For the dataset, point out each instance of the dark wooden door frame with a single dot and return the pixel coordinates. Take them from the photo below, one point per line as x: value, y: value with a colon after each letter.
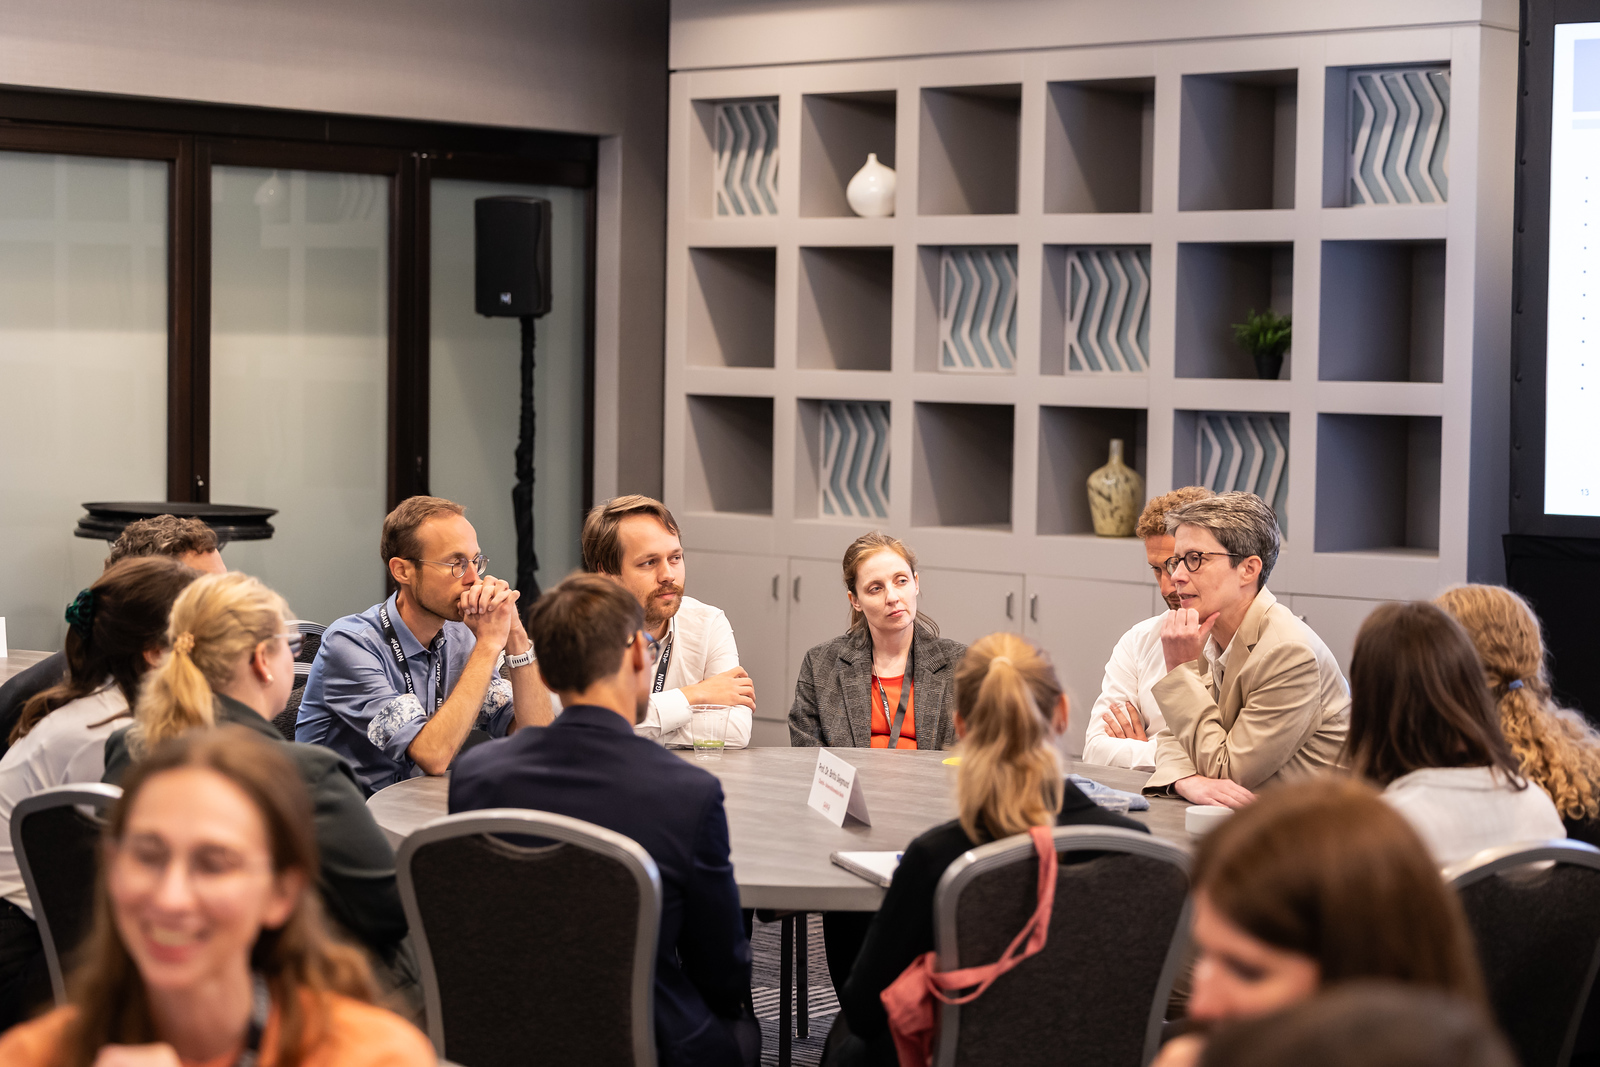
x: 192, y: 138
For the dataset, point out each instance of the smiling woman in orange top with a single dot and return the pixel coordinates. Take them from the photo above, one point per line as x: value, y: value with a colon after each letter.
x: 853, y: 691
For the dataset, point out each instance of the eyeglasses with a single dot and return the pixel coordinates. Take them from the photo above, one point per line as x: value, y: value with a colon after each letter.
x: 478, y: 563
x: 1192, y: 561
x: 652, y: 648
x: 296, y: 641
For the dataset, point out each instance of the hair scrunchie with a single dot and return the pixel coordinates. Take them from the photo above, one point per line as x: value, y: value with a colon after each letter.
x: 1515, y: 683
x: 80, y: 614
x: 183, y: 643
x: 1001, y: 659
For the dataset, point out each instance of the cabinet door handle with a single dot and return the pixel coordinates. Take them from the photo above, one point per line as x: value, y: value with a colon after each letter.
x: 1033, y: 607
x: 797, y: 588
x: 1010, y: 597
x: 774, y: 587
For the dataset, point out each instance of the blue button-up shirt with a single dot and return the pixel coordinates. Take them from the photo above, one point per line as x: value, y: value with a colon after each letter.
x: 356, y: 702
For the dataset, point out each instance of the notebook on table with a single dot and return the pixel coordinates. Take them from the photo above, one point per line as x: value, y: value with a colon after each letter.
x: 876, y: 867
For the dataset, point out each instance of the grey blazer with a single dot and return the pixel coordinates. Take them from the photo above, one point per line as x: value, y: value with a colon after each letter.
x: 833, y: 696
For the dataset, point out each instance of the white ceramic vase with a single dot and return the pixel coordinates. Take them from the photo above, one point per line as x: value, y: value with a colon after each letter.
x: 871, y: 191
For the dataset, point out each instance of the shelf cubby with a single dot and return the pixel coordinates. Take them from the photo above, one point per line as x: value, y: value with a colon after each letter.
x: 966, y: 309
x: 1399, y: 119
x: 1236, y: 146
x: 729, y: 465
x: 842, y: 460
x: 1096, y: 310
x: 1219, y: 285
x: 961, y: 465
x: 846, y: 308
x: 1075, y: 442
x: 1382, y: 311
x: 1227, y: 451
x: 968, y: 158
x: 732, y: 300
x: 1098, y: 146
x: 837, y: 131
x: 1378, y: 483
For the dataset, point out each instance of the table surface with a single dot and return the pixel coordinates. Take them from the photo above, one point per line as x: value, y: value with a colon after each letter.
x: 780, y: 846
x: 18, y: 661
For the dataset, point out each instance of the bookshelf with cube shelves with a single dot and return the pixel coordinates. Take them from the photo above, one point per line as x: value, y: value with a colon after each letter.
x: 1108, y: 285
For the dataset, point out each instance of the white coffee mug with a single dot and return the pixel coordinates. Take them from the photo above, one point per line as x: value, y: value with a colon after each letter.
x: 1203, y: 818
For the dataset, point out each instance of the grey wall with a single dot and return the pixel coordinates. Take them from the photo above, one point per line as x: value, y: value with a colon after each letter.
x: 595, y: 67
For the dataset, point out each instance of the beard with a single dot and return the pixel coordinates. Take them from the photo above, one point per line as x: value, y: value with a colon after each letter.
x: 445, y: 608
x: 1172, y: 600
x: 657, y: 611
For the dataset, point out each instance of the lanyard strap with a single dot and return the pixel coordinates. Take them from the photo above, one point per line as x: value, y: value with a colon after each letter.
x: 405, y: 670
x: 260, y: 1005
x: 666, y: 657
x: 897, y: 723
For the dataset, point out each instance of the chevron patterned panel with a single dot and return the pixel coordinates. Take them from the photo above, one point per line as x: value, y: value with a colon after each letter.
x: 746, y: 180
x: 1400, y: 136
x: 1247, y: 452
x: 978, y: 309
x: 855, y: 458
x: 1108, y: 310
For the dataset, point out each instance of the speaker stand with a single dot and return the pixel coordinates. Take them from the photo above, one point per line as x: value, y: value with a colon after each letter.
x: 522, y: 493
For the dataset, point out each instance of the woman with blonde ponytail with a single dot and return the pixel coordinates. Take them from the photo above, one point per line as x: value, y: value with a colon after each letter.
x: 1009, y: 710
x: 116, y: 629
x: 232, y: 664
x: 1556, y: 748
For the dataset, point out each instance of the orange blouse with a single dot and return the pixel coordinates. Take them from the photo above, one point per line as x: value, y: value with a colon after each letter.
x: 358, y: 1035
x: 889, y: 688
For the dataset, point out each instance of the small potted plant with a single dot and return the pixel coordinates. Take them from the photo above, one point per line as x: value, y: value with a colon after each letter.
x: 1266, y: 337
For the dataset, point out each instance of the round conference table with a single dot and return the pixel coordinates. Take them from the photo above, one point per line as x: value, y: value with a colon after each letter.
x: 780, y: 846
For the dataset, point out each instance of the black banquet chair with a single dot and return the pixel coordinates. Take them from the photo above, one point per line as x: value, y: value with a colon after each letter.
x: 1538, y: 935
x: 1098, y: 991
x: 310, y: 640
x: 55, y: 836
x: 542, y: 951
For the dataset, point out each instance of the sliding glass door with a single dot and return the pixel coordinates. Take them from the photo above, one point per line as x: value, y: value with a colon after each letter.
x: 299, y: 373
x: 83, y: 368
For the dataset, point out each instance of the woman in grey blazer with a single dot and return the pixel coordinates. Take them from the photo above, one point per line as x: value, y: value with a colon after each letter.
x: 851, y: 691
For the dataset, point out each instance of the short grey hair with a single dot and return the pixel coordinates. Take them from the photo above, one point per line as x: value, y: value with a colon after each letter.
x: 1242, y: 523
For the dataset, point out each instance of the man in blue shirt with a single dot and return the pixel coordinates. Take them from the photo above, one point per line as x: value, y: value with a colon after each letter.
x: 593, y: 651
x: 396, y: 689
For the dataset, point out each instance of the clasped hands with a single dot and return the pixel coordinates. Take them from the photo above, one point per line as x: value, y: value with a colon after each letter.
x: 488, y: 607
x: 731, y: 687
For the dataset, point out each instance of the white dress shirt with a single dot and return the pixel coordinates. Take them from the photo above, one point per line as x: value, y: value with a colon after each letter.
x: 1136, y: 664
x: 66, y: 746
x: 1460, y: 811
x: 702, y: 645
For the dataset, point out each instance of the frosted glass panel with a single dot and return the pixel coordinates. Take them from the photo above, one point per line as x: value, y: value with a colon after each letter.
x: 299, y: 372
x: 83, y: 368
x: 476, y: 385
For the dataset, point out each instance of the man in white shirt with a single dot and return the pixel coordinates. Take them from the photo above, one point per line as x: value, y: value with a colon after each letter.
x: 634, y: 541
x: 1122, y: 726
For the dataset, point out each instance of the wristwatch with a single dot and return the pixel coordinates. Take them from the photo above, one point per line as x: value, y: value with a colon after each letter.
x: 522, y: 659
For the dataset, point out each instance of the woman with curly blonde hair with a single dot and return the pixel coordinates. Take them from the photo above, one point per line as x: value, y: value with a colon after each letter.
x: 1555, y: 746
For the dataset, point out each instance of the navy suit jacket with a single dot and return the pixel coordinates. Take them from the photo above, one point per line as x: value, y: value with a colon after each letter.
x: 588, y: 764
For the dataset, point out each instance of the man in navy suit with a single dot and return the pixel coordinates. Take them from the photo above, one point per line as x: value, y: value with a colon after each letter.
x: 588, y: 634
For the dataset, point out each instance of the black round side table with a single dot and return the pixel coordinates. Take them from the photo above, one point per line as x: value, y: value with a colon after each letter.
x: 232, y: 522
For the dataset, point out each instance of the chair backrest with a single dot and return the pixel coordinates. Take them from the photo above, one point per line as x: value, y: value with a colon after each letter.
x: 1098, y: 992
x: 286, y: 719
x: 1538, y: 935
x: 57, y: 846
x: 545, y: 949
x: 310, y: 640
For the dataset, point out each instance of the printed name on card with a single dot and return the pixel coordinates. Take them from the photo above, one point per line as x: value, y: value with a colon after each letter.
x: 836, y: 792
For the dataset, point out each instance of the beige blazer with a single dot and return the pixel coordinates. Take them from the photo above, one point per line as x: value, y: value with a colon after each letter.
x: 1283, y: 711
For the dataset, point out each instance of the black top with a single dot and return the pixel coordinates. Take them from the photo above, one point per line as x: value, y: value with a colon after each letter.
x: 589, y: 765
x: 24, y: 687
x: 357, y: 878
x: 902, y: 930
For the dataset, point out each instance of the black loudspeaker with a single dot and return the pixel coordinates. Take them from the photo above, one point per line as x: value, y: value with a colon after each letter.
x: 513, y: 242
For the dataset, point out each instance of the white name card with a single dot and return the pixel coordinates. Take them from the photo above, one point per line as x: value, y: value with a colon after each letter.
x: 3, y: 651
x: 835, y: 792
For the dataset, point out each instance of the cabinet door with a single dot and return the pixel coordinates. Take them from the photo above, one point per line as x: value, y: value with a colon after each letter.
x: 818, y: 612
x: 968, y: 605
x: 1078, y: 621
x: 1336, y: 620
x: 749, y: 589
